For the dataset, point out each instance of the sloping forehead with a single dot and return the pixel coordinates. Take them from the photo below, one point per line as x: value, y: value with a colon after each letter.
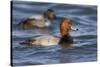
x: 66, y: 21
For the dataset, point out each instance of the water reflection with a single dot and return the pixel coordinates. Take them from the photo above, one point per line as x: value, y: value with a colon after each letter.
x: 65, y: 58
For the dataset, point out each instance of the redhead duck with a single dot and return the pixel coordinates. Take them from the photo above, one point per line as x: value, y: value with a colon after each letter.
x: 47, y: 40
x: 40, y: 21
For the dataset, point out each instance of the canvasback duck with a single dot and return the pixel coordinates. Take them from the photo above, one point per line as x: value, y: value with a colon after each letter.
x: 48, y: 40
x: 40, y: 21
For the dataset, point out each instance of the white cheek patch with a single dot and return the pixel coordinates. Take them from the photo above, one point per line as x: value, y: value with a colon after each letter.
x: 47, y: 23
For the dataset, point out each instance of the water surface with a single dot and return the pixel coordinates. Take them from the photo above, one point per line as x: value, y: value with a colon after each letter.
x: 84, y: 48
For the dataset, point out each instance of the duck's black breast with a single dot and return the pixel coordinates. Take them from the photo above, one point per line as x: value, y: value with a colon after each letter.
x: 66, y: 39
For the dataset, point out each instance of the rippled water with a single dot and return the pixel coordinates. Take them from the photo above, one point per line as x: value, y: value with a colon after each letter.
x: 84, y: 48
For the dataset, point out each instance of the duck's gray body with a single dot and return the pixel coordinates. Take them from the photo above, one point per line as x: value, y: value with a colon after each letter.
x: 43, y: 40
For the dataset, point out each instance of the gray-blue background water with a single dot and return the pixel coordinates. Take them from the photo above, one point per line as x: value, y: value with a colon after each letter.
x: 84, y: 48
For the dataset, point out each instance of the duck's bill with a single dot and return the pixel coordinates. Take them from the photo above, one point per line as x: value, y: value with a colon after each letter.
x: 74, y: 29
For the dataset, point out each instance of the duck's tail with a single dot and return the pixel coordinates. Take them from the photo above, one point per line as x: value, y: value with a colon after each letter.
x: 28, y: 42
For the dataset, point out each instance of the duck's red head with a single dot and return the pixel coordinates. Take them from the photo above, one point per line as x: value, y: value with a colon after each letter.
x: 65, y: 26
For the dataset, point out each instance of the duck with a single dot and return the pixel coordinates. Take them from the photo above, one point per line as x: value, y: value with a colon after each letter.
x: 49, y: 40
x: 39, y: 21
